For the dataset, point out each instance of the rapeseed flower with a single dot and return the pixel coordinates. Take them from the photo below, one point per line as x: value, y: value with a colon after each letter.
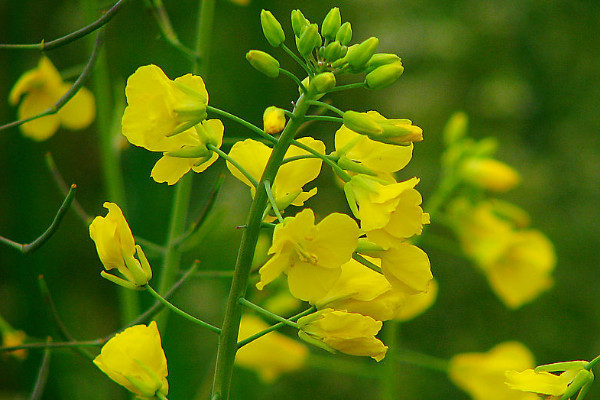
x: 270, y: 355
x: 347, y: 332
x: 291, y: 177
x: 490, y: 174
x: 273, y: 120
x: 377, y: 127
x: 311, y: 255
x: 574, y: 377
x: 41, y: 88
x: 135, y: 359
x: 117, y: 249
x: 481, y: 375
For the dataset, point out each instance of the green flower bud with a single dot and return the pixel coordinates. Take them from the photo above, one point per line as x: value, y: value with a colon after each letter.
x: 456, y: 128
x: 333, y: 51
x: 263, y: 62
x: 344, y: 34
x: 382, y: 59
x: 331, y: 24
x: 384, y: 76
x: 358, y: 56
x: 309, y: 40
x: 271, y: 28
x: 361, y: 123
x: 299, y: 22
x: 322, y: 83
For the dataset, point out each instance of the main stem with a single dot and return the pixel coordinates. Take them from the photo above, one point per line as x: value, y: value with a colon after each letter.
x: 233, y: 313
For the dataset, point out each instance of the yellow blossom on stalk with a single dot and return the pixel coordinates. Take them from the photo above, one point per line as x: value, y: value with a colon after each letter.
x: 270, y: 355
x: 13, y: 337
x: 388, y: 213
x: 160, y: 112
x: 116, y: 249
x: 377, y: 127
x: 481, y: 375
x: 273, y: 120
x: 418, y: 303
x: 135, y: 359
x: 42, y: 87
x: 574, y: 377
x: 361, y: 290
x: 489, y: 174
x: 346, y: 332
x: 291, y: 177
x: 374, y: 155
x: 310, y: 255
x: 173, y: 165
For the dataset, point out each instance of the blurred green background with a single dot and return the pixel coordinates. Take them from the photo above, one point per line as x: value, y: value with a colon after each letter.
x: 527, y: 72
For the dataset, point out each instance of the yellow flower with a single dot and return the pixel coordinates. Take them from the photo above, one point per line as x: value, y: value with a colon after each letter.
x: 573, y: 378
x: 388, y: 213
x: 310, y: 255
x: 377, y: 127
x: 42, y: 88
x: 418, y: 303
x: 273, y: 120
x: 170, y: 168
x: 12, y: 337
x: 376, y: 156
x: 161, y: 112
x: 407, y: 268
x: 270, y: 355
x: 135, y: 359
x: 346, y: 332
x: 291, y: 177
x: 481, y: 375
x: 489, y: 174
x: 116, y: 249
x: 361, y: 290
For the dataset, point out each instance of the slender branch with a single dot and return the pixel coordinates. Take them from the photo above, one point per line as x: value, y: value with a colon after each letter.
x: 72, y: 90
x: 43, y: 238
x: 226, y: 156
x: 166, y: 28
x: 327, y: 106
x: 180, y: 312
x: 272, y: 201
x: 297, y: 59
x: 294, y: 78
x: 266, y: 312
x: 300, y: 157
x: 366, y: 262
x: 62, y: 185
x: 27, y: 346
x: 325, y: 118
x: 272, y: 328
x: 421, y: 360
x: 42, y: 377
x: 358, y: 85
x: 328, y: 160
x: 44, y: 46
x: 150, y: 245
x: 244, y: 123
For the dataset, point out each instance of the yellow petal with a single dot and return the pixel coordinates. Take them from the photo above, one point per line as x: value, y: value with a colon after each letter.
x: 252, y: 156
x: 407, y: 268
x: 41, y: 128
x: 310, y: 282
x: 171, y: 169
x: 80, y: 111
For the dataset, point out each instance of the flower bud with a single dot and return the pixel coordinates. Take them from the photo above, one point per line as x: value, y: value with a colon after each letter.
x: 456, y: 128
x: 333, y: 51
x: 490, y: 174
x: 309, y: 40
x: 361, y: 123
x: 299, y: 22
x: 331, y: 24
x: 271, y: 28
x: 358, y: 56
x: 273, y: 120
x: 380, y: 59
x: 384, y: 76
x: 263, y: 62
x: 344, y: 34
x: 322, y: 83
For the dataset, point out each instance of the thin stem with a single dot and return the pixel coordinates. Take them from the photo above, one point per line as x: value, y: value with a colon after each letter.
x: 234, y: 163
x: 43, y: 45
x: 300, y: 157
x: 43, y: 238
x: 180, y: 312
x: 64, y: 189
x: 327, y: 159
x: 272, y: 200
x: 267, y: 313
x: 272, y: 328
x: 325, y: 118
x: 72, y: 90
x: 149, y: 245
x: 233, y: 312
x: 294, y: 78
x: 42, y: 377
x: 358, y: 85
x: 206, y: 18
x: 28, y: 346
x: 591, y: 364
x: 166, y: 28
x: 421, y: 360
x: 297, y: 59
x: 161, y: 396
x: 327, y: 106
x: 244, y: 123
x: 390, y: 376
x: 366, y: 262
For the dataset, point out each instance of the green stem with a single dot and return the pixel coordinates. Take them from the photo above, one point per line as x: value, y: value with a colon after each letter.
x: 206, y: 15
x: 389, y: 383
x: 297, y: 59
x: 294, y: 78
x: 591, y: 364
x: 244, y: 123
x: 327, y: 159
x: 267, y: 313
x: 325, y: 118
x: 234, y: 163
x: 42, y: 377
x: 28, y: 346
x: 272, y: 200
x: 328, y: 106
x: 349, y: 86
x: 421, y: 360
x: 166, y: 28
x: 366, y: 263
x: 233, y: 312
x: 180, y: 312
x: 301, y: 157
x: 272, y: 328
